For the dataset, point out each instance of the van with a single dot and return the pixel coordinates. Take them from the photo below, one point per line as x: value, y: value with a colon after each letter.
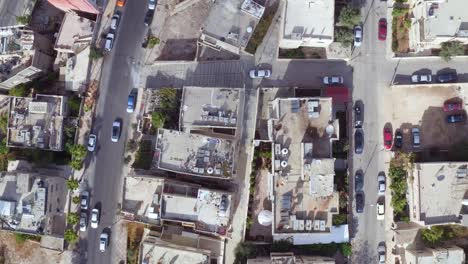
x: 109, y: 41
x: 416, y: 137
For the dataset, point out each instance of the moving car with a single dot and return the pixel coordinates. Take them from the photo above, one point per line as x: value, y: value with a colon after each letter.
x: 359, y: 202
x: 380, y: 210
x: 447, y: 77
x: 333, y: 80
x: 452, y: 106
x: 381, y: 183
x: 109, y: 42
x: 115, y: 131
x: 358, y: 115
x: 255, y: 73
x: 152, y: 4
x: 358, y: 181
x: 103, y: 241
x: 357, y: 36
x: 120, y: 3
x: 382, y: 29
x: 398, y: 139
x: 84, y: 200
x: 421, y: 78
x: 115, y: 21
x: 131, y: 102
x: 455, y: 118
x: 416, y: 137
x: 358, y: 141
x: 388, y: 138
x: 381, y: 250
x: 95, y: 218
x: 148, y: 17
x: 92, y: 139
x: 83, y: 222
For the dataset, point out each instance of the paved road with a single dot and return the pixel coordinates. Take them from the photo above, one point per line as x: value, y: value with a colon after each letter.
x: 104, y: 173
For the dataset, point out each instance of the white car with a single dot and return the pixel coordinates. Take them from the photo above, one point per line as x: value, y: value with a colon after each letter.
x: 380, y: 211
x: 382, y: 252
x: 109, y: 41
x: 95, y: 218
x: 84, y: 200
x: 115, y: 22
x: 152, y: 4
x: 357, y: 36
x: 425, y: 78
x: 333, y: 80
x: 381, y: 183
x: 103, y: 241
x: 92, y: 142
x: 83, y: 222
x: 254, y: 74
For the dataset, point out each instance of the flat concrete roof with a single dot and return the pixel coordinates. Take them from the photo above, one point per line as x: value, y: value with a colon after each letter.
x: 439, y: 189
x: 449, y: 18
x: 139, y: 194
x: 167, y: 253
x: 194, y: 154
x: 75, y: 31
x: 209, y: 107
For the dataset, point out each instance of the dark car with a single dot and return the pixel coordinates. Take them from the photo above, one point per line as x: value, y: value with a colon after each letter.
x: 358, y: 115
x: 358, y: 141
x: 398, y: 139
x: 149, y: 17
x: 382, y: 29
x: 447, y: 77
x: 359, y: 202
x: 455, y: 118
x: 358, y: 181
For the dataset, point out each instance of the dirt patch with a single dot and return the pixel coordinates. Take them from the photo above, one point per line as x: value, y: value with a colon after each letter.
x: 134, y: 236
x: 303, y: 53
x: 400, y: 38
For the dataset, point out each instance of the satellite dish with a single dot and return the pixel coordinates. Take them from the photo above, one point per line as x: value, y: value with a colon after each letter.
x: 284, y: 163
x: 209, y: 170
x: 284, y: 151
x: 249, y: 29
x: 265, y: 218
x: 330, y: 130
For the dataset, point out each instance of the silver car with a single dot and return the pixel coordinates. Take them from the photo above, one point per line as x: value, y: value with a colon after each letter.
x: 357, y: 36
x: 416, y: 137
x: 95, y: 218
x: 381, y: 183
x: 83, y: 222
x: 333, y: 80
x: 92, y: 139
x: 109, y: 43
x: 254, y: 73
x: 103, y: 241
x: 115, y: 22
x: 115, y: 131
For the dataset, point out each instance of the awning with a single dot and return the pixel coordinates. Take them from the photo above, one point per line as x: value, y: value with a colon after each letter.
x: 338, y: 93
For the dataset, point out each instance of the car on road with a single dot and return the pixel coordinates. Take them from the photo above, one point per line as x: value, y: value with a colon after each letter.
x: 131, y: 102
x: 380, y: 210
x: 452, y: 106
x: 455, y: 118
x: 95, y: 218
x: 148, y: 17
x: 358, y: 141
x: 329, y: 80
x: 92, y: 139
x: 357, y: 36
x: 83, y: 222
x: 259, y: 73
x: 120, y: 3
x: 381, y: 183
x: 447, y: 77
x: 359, y: 202
x: 398, y: 142
x: 421, y: 78
x: 116, y: 125
x: 84, y: 200
x: 416, y: 137
x: 115, y: 21
x: 382, y: 29
x: 152, y: 4
x: 109, y: 42
x: 388, y: 138
x: 381, y: 250
x: 358, y: 115
x: 358, y: 181
x: 103, y: 241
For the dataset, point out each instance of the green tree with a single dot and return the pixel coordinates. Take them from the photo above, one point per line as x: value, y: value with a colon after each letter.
x: 433, y: 235
x: 3, y: 123
x: 73, y: 218
x: 70, y: 236
x: 72, y: 184
x: 399, y: 11
x: 244, y: 251
x: 346, y: 249
x: 20, y: 90
x: 3, y: 146
x: 76, y: 164
x: 76, y: 199
x: 153, y: 41
x: 23, y: 20
x: 158, y: 119
x: 168, y: 98
x: 451, y: 48
x: 78, y: 151
x: 349, y: 17
x: 95, y: 53
x: 344, y: 36
x: 339, y: 219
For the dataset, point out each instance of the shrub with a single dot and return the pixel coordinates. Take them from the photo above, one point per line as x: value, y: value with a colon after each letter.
x: 132, y: 145
x: 72, y: 184
x: 74, y: 103
x: 349, y: 17
x: 346, y: 249
x: 153, y: 41
x: 433, y: 235
x: 73, y: 218
x: 70, y: 236
x: 344, y: 36
x: 95, y: 53
x: 23, y: 20
x: 339, y: 219
x: 451, y: 48
x: 76, y: 199
x: 21, y: 238
x: 399, y: 11
x: 78, y: 153
x: 158, y: 119
x: 20, y: 90
x: 244, y: 251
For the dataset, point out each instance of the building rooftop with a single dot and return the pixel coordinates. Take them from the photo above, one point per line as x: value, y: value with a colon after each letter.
x: 168, y: 253
x: 439, y: 190
x: 75, y: 33
x: 290, y: 258
x: 439, y: 255
x: 209, y: 107
x: 194, y: 154
x: 36, y: 123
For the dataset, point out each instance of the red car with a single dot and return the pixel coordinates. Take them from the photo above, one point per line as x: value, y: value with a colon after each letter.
x: 452, y: 106
x: 382, y: 29
x: 388, y: 138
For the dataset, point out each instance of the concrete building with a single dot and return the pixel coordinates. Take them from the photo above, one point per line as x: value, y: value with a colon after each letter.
x: 204, y: 107
x: 36, y: 122
x: 439, y: 255
x: 290, y: 258
x: 157, y: 201
x: 87, y: 6
x: 75, y: 34
x: 307, y: 24
x: 194, y: 154
x: 437, y: 21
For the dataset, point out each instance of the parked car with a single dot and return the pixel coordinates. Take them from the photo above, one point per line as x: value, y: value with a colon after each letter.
x: 257, y: 73
x: 328, y: 80
x: 109, y: 42
x: 84, y: 200
x: 92, y: 139
x: 416, y: 137
x: 455, y: 118
x: 83, y: 221
x: 388, y: 138
x: 152, y: 4
x: 398, y: 139
x: 131, y: 102
x: 382, y: 29
x: 103, y: 241
x: 148, y: 17
x: 358, y: 115
x: 120, y: 3
x: 358, y: 141
x: 380, y: 210
x: 381, y: 250
x: 358, y: 181
x: 447, y: 77
x: 357, y: 36
x: 115, y: 131
x: 115, y: 21
x: 381, y: 183
x: 452, y: 106
x: 421, y: 78
x: 223, y: 205
x: 95, y: 218
x: 359, y: 202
